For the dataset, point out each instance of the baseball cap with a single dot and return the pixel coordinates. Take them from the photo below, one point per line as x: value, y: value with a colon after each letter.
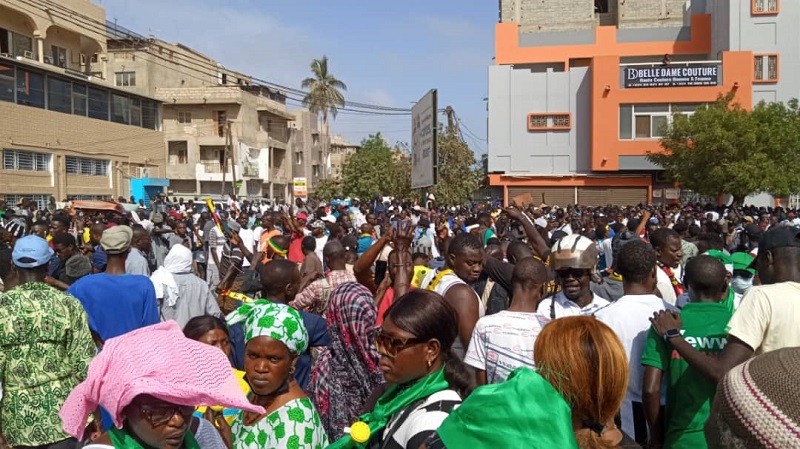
x: 116, y: 240
x: 753, y: 230
x: 15, y: 227
x: 742, y: 261
x: 778, y: 237
x: 302, y: 216
x: 31, y: 251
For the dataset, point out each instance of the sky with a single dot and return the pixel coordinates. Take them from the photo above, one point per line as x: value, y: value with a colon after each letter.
x: 389, y: 53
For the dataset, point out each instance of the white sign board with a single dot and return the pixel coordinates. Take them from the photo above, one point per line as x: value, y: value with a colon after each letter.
x: 423, y: 141
x: 300, y: 187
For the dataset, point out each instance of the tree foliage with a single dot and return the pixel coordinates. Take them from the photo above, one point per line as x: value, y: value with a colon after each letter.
x: 376, y: 168
x: 724, y: 148
x: 326, y: 189
x: 324, y: 91
x: 458, y: 177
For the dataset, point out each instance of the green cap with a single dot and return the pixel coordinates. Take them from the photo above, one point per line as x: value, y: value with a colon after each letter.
x: 722, y: 257
x: 742, y: 261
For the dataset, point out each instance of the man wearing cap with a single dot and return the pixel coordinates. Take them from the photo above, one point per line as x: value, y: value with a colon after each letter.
x: 45, y: 349
x: 115, y: 301
x: 11, y: 231
x: 767, y: 318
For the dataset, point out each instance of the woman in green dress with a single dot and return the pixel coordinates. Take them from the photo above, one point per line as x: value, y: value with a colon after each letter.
x: 274, y: 337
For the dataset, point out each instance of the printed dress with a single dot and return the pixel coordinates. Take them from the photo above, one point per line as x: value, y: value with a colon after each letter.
x: 296, y: 425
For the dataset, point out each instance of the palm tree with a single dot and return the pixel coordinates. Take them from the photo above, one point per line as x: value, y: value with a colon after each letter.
x: 324, y: 91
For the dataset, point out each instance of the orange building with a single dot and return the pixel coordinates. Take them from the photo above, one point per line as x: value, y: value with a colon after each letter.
x: 575, y: 106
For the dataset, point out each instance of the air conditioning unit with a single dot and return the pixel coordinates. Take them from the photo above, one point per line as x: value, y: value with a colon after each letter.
x: 5, y: 55
x: 28, y: 54
x: 48, y: 59
x: 143, y: 172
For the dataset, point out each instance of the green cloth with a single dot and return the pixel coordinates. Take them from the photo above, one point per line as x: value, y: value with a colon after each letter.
x: 121, y: 440
x: 689, y: 393
x: 394, y: 400
x: 524, y: 412
x: 45, y: 350
x: 729, y: 302
x: 264, y: 318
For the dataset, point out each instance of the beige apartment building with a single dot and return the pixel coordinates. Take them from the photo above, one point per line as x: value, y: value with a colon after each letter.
x: 340, y: 149
x: 311, y: 144
x: 223, y: 133
x: 65, y: 128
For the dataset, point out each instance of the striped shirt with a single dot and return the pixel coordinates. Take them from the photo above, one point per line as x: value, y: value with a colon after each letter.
x: 409, y: 429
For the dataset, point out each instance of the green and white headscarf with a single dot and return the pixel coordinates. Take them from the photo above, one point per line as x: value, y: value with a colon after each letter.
x: 264, y: 318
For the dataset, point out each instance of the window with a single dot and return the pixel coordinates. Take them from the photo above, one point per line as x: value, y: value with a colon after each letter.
x: 98, y: 103
x: 85, y: 166
x: 126, y: 79
x: 150, y: 118
x: 315, y: 171
x: 41, y: 199
x: 59, y: 56
x: 136, y: 111
x: 765, y: 6
x: 178, y: 152
x: 120, y: 109
x: 315, y: 138
x: 765, y: 68
x: 184, y: 117
x: 8, y: 83
x: 21, y: 45
x: 298, y: 158
x: 221, y: 119
x: 30, y: 88
x: 59, y: 95
x: 79, y: 98
x: 649, y: 121
x: 549, y: 121
x: 25, y: 160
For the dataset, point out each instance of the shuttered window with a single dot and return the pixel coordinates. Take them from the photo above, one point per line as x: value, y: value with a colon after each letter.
x: 25, y: 160
x: 85, y: 166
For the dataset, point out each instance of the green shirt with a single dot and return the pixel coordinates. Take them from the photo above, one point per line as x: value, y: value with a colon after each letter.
x: 689, y: 393
x: 45, y: 350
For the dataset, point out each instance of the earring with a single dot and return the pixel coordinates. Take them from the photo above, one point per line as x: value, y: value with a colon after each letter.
x: 291, y: 370
x: 429, y: 364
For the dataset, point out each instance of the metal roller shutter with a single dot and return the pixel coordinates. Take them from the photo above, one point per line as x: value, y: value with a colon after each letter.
x: 617, y: 196
x: 552, y: 196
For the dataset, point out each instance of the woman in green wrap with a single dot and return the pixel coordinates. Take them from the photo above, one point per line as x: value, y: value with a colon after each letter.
x: 568, y: 402
x: 426, y: 380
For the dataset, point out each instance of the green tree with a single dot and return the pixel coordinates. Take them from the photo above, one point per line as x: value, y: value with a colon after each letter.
x: 724, y: 148
x: 458, y: 176
x: 326, y: 189
x: 324, y: 91
x: 368, y: 171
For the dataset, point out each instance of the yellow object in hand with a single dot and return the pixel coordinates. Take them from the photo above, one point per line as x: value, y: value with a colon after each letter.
x: 360, y: 432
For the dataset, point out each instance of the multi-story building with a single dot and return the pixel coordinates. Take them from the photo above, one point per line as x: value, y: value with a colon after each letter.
x: 65, y: 128
x: 224, y: 133
x: 582, y: 89
x: 311, y: 145
x: 340, y: 149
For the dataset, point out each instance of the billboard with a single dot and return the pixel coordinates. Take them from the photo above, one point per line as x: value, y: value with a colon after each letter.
x: 299, y: 187
x: 423, y: 141
x: 688, y: 75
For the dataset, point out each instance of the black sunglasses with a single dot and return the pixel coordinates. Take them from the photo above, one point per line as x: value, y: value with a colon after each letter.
x: 576, y: 273
x: 391, y: 346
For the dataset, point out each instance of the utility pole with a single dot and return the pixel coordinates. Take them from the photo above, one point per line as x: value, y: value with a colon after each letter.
x: 452, y: 125
x: 233, y: 158
x: 225, y: 157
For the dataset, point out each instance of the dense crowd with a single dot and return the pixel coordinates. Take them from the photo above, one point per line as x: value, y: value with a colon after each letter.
x: 392, y: 324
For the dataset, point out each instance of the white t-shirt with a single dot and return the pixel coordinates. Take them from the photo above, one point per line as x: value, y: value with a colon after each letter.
x: 664, y: 285
x: 565, y: 307
x: 321, y: 241
x: 504, y: 342
x: 249, y: 242
x: 629, y: 317
x: 768, y: 317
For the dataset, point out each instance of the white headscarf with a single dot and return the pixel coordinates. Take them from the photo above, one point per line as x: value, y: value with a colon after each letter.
x: 179, y: 260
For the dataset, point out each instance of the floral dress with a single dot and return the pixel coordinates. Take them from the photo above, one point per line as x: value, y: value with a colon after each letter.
x: 296, y: 425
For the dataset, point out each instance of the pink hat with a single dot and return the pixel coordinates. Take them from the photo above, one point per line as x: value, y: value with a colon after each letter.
x: 157, y: 360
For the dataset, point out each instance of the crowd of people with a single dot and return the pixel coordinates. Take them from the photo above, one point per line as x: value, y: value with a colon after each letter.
x: 390, y: 324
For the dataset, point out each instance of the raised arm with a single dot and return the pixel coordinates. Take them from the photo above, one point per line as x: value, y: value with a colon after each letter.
x: 362, y: 269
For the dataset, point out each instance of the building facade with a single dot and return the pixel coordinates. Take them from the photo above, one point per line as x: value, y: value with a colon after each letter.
x: 340, y: 149
x: 224, y: 134
x: 582, y: 89
x: 311, y: 144
x: 66, y: 130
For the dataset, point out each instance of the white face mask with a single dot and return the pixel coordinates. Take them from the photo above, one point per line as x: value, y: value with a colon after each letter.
x: 741, y: 284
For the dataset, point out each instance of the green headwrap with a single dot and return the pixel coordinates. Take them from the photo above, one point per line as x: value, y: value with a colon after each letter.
x: 523, y: 412
x: 263, y: 318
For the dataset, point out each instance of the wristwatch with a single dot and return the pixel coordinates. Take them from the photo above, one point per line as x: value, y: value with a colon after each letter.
x: 671, y: 333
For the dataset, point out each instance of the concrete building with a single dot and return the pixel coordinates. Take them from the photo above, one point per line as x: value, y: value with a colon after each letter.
x: 581, y: 89
x: 311, y: 146
x: 65, y: 129
x: 340, y: 149
x: 207, y: 109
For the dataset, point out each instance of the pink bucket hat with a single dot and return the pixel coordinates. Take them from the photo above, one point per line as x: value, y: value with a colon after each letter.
x: 157, y: 360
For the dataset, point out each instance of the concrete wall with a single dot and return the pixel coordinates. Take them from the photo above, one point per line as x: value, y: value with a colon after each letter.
x: 515, y: 93
x: 651, y: 13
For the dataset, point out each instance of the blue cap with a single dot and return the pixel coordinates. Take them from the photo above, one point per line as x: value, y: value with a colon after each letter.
x: 31, y: 251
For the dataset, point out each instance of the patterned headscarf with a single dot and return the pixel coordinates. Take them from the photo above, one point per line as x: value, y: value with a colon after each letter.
x: 348, y: 371
x: 264, y: 318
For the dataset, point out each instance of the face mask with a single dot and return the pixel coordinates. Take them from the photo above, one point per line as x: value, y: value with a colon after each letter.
x: 741, y: 285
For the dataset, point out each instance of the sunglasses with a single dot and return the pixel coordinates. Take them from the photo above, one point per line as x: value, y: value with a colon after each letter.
x: 575, y: 273
x: 160, y: 416
x: 390, y: 346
